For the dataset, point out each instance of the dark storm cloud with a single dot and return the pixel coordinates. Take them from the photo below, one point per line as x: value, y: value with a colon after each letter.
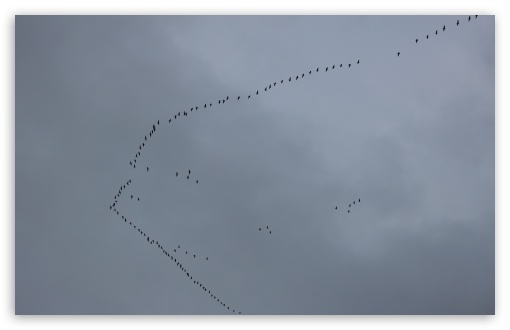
x: 412, y: 136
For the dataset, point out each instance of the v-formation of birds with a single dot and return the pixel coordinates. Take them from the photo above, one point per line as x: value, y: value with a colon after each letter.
x: 171, y: 257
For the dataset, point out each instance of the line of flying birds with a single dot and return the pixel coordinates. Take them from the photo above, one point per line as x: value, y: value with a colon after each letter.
x: 221, y: 101
x: 171, y: 257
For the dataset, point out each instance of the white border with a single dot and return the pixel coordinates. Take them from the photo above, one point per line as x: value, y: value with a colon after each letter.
x: 9, y: 320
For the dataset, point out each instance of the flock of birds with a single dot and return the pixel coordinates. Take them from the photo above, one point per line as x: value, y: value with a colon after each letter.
x: 353, y: 203
x: 180, y: 114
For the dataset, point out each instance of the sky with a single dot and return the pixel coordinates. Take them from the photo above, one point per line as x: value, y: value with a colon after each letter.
x: 410, y: 138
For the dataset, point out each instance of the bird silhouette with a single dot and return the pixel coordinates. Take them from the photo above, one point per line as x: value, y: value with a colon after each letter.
x: 249, y: 96
x: 336, y: 207
x: 427, y: 36
x: 310, y: 72
x: 290, y: 78
x: 469, y: 18
x: 359, y: 200
x: 187, y: 177
x: 238, y: 97
x: 333, y: 66
x: 436, y: 31
x: 416, y: 40
x: 147, y: 169
x: 398, y: 54
x: 357, y: 62
x: 348, y: 211
x: 457, y: 22
x: 349, y: 65
x: 444, y: 27
x: 197, y: 181
x: 327, y: 69
x: 317, y: 70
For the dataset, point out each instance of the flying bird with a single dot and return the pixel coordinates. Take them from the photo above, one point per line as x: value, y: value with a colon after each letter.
x: 176, y: 173
x: 427, y: 36
x: 197, y: 181
x: 249, y: 96
x: 469, y: 18
x: 444, y: 27
x: 357, y: 62
x: 336, y: 207
x: 238, y: 97
x: 398, y: 54
x: 317, y: 70
x: 349, y: 65
x: 457, y: 22
x: 327, y: 69
x: 416, y: 40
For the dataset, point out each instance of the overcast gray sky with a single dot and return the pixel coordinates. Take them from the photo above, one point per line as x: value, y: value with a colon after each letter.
x: 412, y: 136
